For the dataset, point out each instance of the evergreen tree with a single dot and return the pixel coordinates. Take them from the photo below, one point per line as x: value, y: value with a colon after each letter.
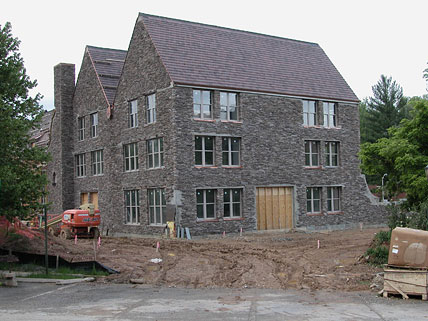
x: 385, y: 109
x: 22, y: 180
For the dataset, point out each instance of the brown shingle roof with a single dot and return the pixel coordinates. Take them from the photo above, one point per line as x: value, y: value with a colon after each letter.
x: 108, y: 65
x: 204, y: 55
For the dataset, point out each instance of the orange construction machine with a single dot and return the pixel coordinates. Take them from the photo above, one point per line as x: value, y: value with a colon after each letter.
x: 82, y: 222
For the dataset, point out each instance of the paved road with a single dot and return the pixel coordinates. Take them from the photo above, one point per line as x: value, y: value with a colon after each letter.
x: 127, y: 302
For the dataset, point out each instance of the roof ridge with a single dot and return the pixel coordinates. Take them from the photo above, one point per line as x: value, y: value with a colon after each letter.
x: 228, y: 29
x: 95, y: 47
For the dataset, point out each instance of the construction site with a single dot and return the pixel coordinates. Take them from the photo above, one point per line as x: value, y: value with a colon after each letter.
x: 277, y: 260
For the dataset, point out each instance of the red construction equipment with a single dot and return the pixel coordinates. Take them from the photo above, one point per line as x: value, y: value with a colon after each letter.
x: 82, y: 222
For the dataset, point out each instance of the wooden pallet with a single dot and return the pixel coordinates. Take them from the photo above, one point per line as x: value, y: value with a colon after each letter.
x: 405, y: 282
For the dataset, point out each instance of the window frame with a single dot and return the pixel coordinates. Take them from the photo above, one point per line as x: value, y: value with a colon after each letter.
x: 130, y: 162
x: 310, y: 201
x: 230, y: 203
x: 308, y: 115
x: 205, y: 151
x: 331, y: 208
x: 132, y: 216
x: 161, y: 206
x: 97, y: 162
x: 226, y: 108
x: 151, y: 109
x: 94, y: 124
x: 309, y: 154
x: 329, y: 116
x: 152, y: 154
x: 80, y: 165
x: 133, y: 113
x: 205, y: 204
x: 202, y: 104
x: 329, y: 155
x: 81, y: 126
x: 229, y: 152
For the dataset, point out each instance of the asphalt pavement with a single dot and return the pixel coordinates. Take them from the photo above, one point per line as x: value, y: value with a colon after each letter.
x: 95, y: 301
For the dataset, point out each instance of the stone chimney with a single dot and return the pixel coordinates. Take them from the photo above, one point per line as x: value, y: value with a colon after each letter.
x: 63, y: 134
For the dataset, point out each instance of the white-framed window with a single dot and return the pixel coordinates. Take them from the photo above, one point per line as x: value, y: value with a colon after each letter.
x: 232, y: 202
x: 94, y: 125
x: 309, y: 113
x: 132, y: 206
x: 155, y: 153
x: 81, y: 128
x: 204, y: 150
x: 228, y: 106
x: 231, y: 151
x: 312, y: 153
x: 330, y: 114
x: 333, y: 199
x: 202, y: 104
x: 97, y: 162
x: 130, y: 156
x: 157, y: 206
x: 133, y: 114
x: 205, y: 204
x: 332, y: 154
x: 313, y: 200
x: 151, y: 109
x: 80, y: 161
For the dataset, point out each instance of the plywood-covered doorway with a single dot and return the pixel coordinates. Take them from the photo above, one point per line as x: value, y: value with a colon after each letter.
x: 91, y: 197
x: 274, y: 208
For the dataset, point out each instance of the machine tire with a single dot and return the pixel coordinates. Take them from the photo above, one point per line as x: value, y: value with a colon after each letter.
x: 51, y: 231
x: 95, y: 232
x: 65, y: 234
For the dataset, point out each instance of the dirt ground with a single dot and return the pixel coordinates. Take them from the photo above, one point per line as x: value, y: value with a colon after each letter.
x: 275, y: 260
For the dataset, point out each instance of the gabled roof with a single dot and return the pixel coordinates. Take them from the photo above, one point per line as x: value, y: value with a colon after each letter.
x: 41, y: 136
x: 108, y: 64
x: 203, y: 55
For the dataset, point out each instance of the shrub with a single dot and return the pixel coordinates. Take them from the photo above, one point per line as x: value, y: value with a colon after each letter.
x: 378, y: 255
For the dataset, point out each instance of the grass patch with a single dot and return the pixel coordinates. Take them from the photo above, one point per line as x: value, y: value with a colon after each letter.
x: 378, y: 252
x: 56, y: 273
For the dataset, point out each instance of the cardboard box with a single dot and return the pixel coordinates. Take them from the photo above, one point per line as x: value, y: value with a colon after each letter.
x: 408, y: 248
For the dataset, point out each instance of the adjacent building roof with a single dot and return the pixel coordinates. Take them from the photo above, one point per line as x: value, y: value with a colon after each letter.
x: 108, y: 64
x: 41, y: 136
x: 203, y: 55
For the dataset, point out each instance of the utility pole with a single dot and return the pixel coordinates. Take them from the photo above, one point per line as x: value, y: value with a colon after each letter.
x: 46, y: 238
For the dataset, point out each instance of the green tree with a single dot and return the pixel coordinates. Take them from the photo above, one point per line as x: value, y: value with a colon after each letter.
x: 385, y: 109
x: 426, y: 75
x: 21, y: 164
x: 403, y: 156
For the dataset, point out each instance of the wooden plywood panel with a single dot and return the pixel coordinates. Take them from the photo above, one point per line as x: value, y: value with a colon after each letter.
x: 289, y: 207
x: 282, y: 209
x: 262, y: 207
x: 84, y: 198
x: 268, y: 212
x: 275, y: 208
x: 94, y: 199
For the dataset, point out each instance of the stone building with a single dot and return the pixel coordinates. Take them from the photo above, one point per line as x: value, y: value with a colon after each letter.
x: 225, y: 129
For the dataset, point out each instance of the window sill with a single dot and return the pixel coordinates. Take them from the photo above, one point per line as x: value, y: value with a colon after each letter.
x: 231, y: 166
x: 312, y: 126
x: 231, y: 121
x: 133, y: 171
x: 335, y: 127
x: 205, y: 120
x: 335, y: 213
x: 314, y: 214
x: 202, y: 166
x: 233, y: 218
x: 331, y: 167
x: 157, y: 225
x: 133, y: 224
x: 313, y: 167
x: 81, y: 176
x: 154, y: 168
x: 148, y: 124
x: 97, y: 175
x: 207, y: 220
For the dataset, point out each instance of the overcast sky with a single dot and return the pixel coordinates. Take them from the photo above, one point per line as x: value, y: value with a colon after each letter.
x: 364, y: 39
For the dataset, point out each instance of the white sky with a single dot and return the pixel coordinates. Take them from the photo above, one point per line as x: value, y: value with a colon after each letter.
x: 364, y: 38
